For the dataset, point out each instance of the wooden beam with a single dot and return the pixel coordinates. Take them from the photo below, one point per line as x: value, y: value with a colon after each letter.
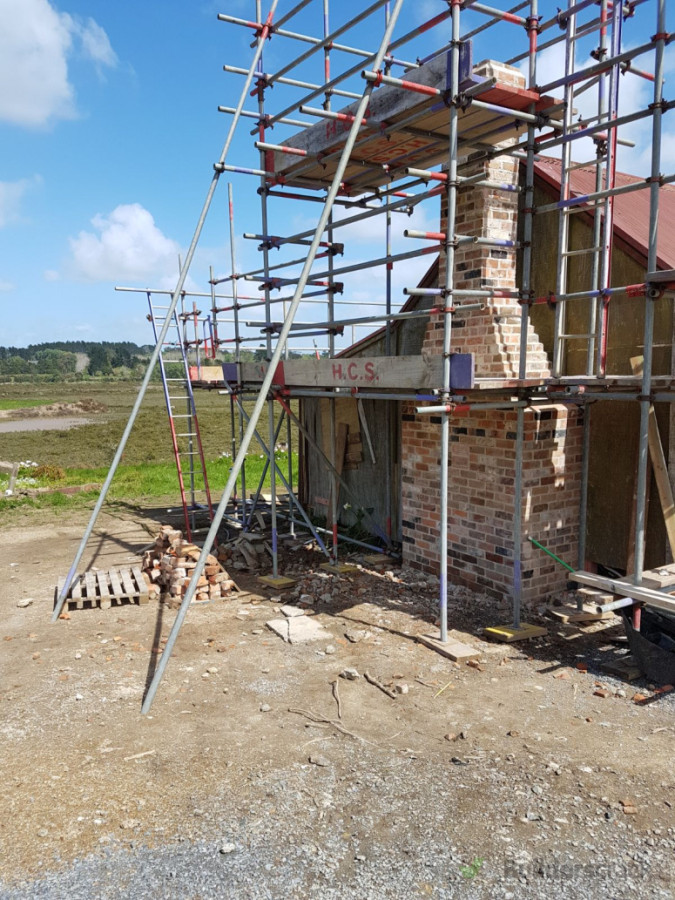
x: 626, y: 589
x: 377, y: 372
x: 659, y: 464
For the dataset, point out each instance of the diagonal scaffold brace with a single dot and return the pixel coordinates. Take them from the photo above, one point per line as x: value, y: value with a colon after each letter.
x: 218, y: 169
x: 274, y: 361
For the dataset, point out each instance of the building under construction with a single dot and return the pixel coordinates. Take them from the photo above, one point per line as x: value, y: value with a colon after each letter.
x: 511, y: 406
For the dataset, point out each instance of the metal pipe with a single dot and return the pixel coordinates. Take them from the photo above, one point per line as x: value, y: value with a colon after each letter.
x: 137, y: 290
x: 293, y: 82
x: 329, y: 39
x: 331, y: 467
x: 461, y: 408
x: 364, y: 395
x: 532, y: 23
x: 545, y: 143
x: 565, y: 191
x: 289, y: 444
x: 269, y: 375
x: 374, y: 263
x: 296, y: 123
x: 160, y: 340
x: 451, y: 199
x: 264, y: 164
x: 351, y: 540
x: 607, y: 230
x: 605, y: 65
x: 602, y: 195
x: 287, y: 485
x: 265, y: 470
x: 237, y: 349
x: 367, y: 320
x: 615, y: 604
x: 652, y: 256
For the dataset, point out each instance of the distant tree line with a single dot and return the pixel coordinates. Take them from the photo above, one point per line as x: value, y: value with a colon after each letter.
x: 58, y: 360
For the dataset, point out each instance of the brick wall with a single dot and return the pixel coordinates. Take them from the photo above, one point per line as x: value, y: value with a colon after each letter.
x: 491, y: 334
x: 481, y: 497
x: 483, y: 444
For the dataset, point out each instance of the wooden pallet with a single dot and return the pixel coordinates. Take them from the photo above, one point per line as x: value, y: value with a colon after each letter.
x: 103, y: 589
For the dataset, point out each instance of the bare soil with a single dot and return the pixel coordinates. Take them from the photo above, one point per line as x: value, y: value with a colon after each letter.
x: 522, y: 776
x: 54, y: 410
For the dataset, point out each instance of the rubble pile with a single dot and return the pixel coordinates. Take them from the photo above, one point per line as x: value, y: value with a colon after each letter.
x: 248, y: 551
x: 168, y: 565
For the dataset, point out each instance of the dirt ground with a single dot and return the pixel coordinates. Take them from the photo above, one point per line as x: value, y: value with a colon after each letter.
x: 520, y: 776
x: 54, y: 410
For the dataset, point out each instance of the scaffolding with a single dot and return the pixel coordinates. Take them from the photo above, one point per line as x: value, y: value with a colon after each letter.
x: 400, y: 143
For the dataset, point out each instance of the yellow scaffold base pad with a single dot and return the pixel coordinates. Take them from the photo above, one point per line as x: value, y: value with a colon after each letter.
x: 507, y: 633
x: 279, y: 582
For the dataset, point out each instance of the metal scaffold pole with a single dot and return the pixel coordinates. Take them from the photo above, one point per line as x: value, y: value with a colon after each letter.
x: 651, y: 294
x: 154, y: 356
x: 448, y: 300
x: 532, y: 27
x: 276, y: 357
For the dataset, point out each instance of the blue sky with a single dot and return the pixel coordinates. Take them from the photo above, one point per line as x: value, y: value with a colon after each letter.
x: 108, y: 132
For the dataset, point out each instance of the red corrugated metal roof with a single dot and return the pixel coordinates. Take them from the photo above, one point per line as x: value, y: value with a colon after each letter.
x: 631, y: 211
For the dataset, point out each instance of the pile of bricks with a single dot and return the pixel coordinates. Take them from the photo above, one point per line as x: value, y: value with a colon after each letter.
x: 168, y: 565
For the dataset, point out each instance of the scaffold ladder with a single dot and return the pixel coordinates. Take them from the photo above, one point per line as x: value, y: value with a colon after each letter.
x: 601, y: 201
x: 186, y: 439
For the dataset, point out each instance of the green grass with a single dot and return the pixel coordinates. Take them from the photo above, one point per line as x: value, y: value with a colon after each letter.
x: 6, y: 403
x: 140, y: 483
x: 147, y: 470
x: 94, y: 445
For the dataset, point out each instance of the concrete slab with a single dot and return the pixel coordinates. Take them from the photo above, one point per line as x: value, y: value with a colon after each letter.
x: 292, y: 612
x: 299, y: 630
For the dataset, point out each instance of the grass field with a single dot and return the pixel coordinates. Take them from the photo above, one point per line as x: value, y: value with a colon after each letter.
x: 18, y: 403
x: 147, y: 469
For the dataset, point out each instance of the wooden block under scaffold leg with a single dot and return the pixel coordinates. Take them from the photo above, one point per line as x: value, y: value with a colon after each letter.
x: 454, y: 650
x: 339, y: 569
x: 380, y: 559
x: 281, y: 581
x: 507, y: 634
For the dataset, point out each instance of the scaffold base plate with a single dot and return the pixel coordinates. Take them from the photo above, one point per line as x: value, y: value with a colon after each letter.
x: 281, y: 581
x: 339, y: 569
x: 507, y: 633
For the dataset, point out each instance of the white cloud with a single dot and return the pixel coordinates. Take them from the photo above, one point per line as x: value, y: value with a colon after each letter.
x: 126, y: 245
x: 96, y: 45
x: 36, y: 42
x: 51, y: 275
x: 6, y: 286
x: 11, y: 195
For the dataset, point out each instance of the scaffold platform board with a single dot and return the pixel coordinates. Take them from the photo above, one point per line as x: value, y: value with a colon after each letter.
x: 408, y: 128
